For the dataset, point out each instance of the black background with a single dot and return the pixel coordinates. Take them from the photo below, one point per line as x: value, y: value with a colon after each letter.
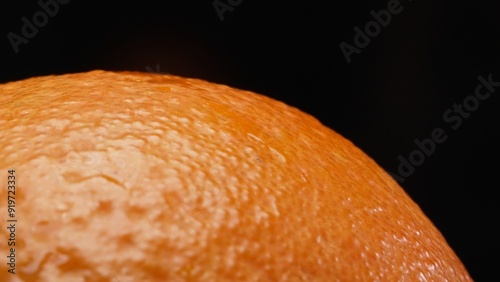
x: 394, y: 91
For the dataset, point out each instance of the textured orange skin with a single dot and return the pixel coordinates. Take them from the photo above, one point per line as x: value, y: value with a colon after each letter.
x: 152, y: 177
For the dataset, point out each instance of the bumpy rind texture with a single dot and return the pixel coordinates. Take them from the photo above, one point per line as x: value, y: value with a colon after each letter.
x: 145, y: 177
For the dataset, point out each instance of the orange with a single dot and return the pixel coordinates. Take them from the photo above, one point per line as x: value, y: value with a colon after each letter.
x: 128, y: 176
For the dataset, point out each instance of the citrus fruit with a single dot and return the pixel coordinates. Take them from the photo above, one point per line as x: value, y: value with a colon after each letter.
x: 129, y: 176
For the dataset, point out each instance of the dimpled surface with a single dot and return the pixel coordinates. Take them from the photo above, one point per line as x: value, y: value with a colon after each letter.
x: 127, y: 176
